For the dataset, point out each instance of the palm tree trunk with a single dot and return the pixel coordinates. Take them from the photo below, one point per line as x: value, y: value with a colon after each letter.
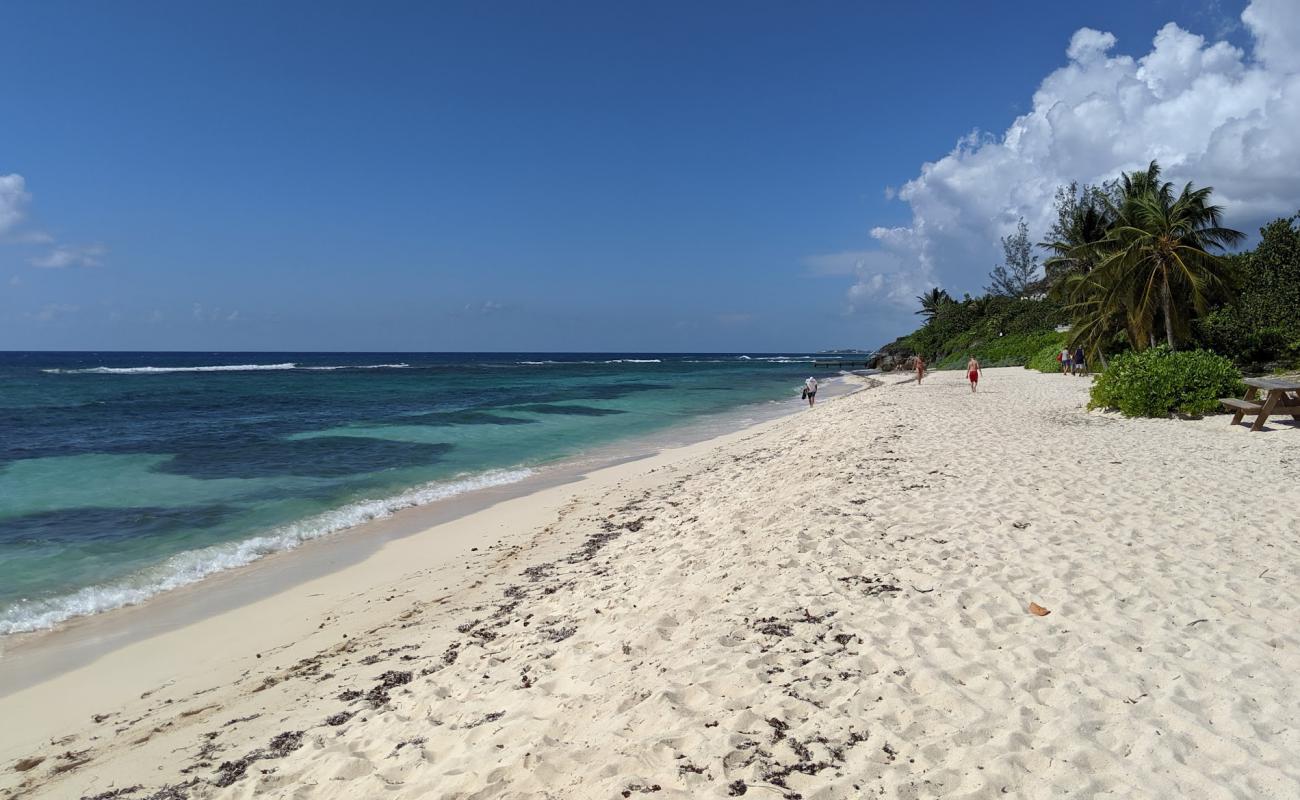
x: 1168, y: 308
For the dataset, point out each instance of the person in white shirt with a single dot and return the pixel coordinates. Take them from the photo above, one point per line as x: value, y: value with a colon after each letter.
x: 810, y: 390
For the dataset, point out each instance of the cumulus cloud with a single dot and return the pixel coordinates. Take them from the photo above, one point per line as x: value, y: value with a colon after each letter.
x: 13, y: 201
x: 881, y: 276
x: 71, y: 255
x: 1207, y: 111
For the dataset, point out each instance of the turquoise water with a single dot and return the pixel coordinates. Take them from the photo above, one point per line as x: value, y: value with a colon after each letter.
x: 126, y: 474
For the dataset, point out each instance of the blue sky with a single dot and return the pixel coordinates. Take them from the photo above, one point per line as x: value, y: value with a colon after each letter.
x: 502, y: 176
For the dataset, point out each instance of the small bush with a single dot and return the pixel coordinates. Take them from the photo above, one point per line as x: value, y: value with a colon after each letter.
x: 1045, y: 360
x: 1158, y: 381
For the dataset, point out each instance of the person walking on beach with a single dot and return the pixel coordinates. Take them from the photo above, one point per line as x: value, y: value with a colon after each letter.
x: 973, y: 373
x: 1064, y: 358
x: 810, y: 390
x: 1080, y: 363
x: 920, y: 368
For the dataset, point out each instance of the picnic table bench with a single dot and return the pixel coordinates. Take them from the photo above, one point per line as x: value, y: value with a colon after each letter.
x: 1282, y: 398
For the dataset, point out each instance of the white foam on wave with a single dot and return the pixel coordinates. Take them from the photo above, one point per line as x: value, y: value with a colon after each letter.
x: 362, y: 366
x: 609, y: 361
x: 213, y: 368
x: 194, y: 565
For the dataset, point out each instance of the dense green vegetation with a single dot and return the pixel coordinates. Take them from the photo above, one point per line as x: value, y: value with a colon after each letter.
x: 1259, y: 328
x: 1158, y: 380
x: 1000, y: 331
x: 1045, y: 360
x: 1134, y: 266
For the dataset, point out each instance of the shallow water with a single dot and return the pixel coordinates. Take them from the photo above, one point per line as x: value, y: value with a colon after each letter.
x: 126, y: 474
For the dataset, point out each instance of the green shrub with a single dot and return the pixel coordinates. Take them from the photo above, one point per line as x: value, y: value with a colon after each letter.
x: 1045, y: 360
x: 1010, y: 350
x: 1158, y: 381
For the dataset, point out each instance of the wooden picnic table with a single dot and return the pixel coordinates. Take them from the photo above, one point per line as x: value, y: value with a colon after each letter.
x: 1282, y: 398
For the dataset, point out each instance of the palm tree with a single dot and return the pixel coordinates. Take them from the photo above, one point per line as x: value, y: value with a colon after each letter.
x: 1096, y: 312
x: 932, y: 301
x: 1158, y: 262
x: 1076, y: 252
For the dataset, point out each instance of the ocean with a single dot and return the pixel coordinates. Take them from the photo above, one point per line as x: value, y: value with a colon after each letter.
x: 123, y: 475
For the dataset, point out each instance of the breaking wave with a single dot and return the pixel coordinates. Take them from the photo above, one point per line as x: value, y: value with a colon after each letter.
x: 194, y: 565
x: 214, y: 368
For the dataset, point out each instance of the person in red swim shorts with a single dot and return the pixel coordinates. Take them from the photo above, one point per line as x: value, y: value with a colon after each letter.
x: 973, y: 372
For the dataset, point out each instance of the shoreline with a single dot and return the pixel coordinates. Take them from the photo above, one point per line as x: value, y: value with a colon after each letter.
x: 79, y: 640
x: 830, y: 604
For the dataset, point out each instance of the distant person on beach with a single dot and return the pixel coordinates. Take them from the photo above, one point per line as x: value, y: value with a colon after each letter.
x: 973, y: 372
x: 1080, y: 363
x: 920, y: 369
x: 810, y: 390
x: 1064, y: 358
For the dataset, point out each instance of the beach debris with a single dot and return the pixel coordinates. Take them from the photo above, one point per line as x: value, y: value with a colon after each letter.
x: 1196, y: 622
x: 687, y: 768
x: 1038, y: 610
x: 637, y: 787
x: 416, y: 742
x: 282, y: 745
x: 872, y: 586
x: 339, y: 718
x: 378, y: 695
x: 1020, y: 525
x: 173, y: 791
x: 28, y: 763
x: 71, y: 760
x: 736, y: 788
x: 493, y: 717
x: 559, y: 634
x: 115, y: 793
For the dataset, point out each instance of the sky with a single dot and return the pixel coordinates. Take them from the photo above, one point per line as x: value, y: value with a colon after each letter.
x: 589, y: 176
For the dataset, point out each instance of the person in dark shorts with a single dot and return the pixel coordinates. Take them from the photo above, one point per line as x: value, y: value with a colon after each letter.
x: 1080, y: 363
x: 810, y: 390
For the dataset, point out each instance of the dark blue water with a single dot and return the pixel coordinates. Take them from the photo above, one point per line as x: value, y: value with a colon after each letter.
x: 126, y: 474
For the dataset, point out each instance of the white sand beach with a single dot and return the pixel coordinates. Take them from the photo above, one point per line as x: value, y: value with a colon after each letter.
x: 829, y: 605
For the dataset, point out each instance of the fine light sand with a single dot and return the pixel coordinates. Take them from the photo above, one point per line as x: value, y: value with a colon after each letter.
x: 830, y: 605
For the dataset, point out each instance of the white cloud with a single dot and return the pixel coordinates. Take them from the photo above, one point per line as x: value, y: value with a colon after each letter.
x: 53, y: 311
x: 880, y: 275
x: 13, y: 200
x: 1207, y: 111
x: 71, y: 255
x: 202, y: 314
x: 482, y: 309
